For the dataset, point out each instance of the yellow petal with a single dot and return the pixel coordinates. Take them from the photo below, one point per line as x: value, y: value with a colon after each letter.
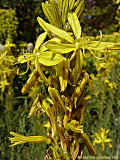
x: 75, y: 24
x: 103, y: 146
x: 110, y: 145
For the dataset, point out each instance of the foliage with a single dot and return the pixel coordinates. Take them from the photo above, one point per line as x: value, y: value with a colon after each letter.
x: 99, y: 16
x: 117, y: 16
x: 16, y: 118
x: 12, y: 103
x: 8, y: 25
x: 7, y: 69
x: 26, y: 12
x: 102, y: 106
x: 59, y: 65
x: 14, y: 109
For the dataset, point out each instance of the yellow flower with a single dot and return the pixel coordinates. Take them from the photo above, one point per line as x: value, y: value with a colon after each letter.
x: 101, y: 138
x: 20, y: 139
x: 3, y: 84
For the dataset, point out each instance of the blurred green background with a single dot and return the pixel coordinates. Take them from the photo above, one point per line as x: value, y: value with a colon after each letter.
x: 18, y: 26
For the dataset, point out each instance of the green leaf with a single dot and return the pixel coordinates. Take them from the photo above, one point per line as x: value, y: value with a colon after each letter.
x: 58, y: 32
x: 61, y: 48
x: 49, y: 58
x: 39, y: 41
x: 74, y: 22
